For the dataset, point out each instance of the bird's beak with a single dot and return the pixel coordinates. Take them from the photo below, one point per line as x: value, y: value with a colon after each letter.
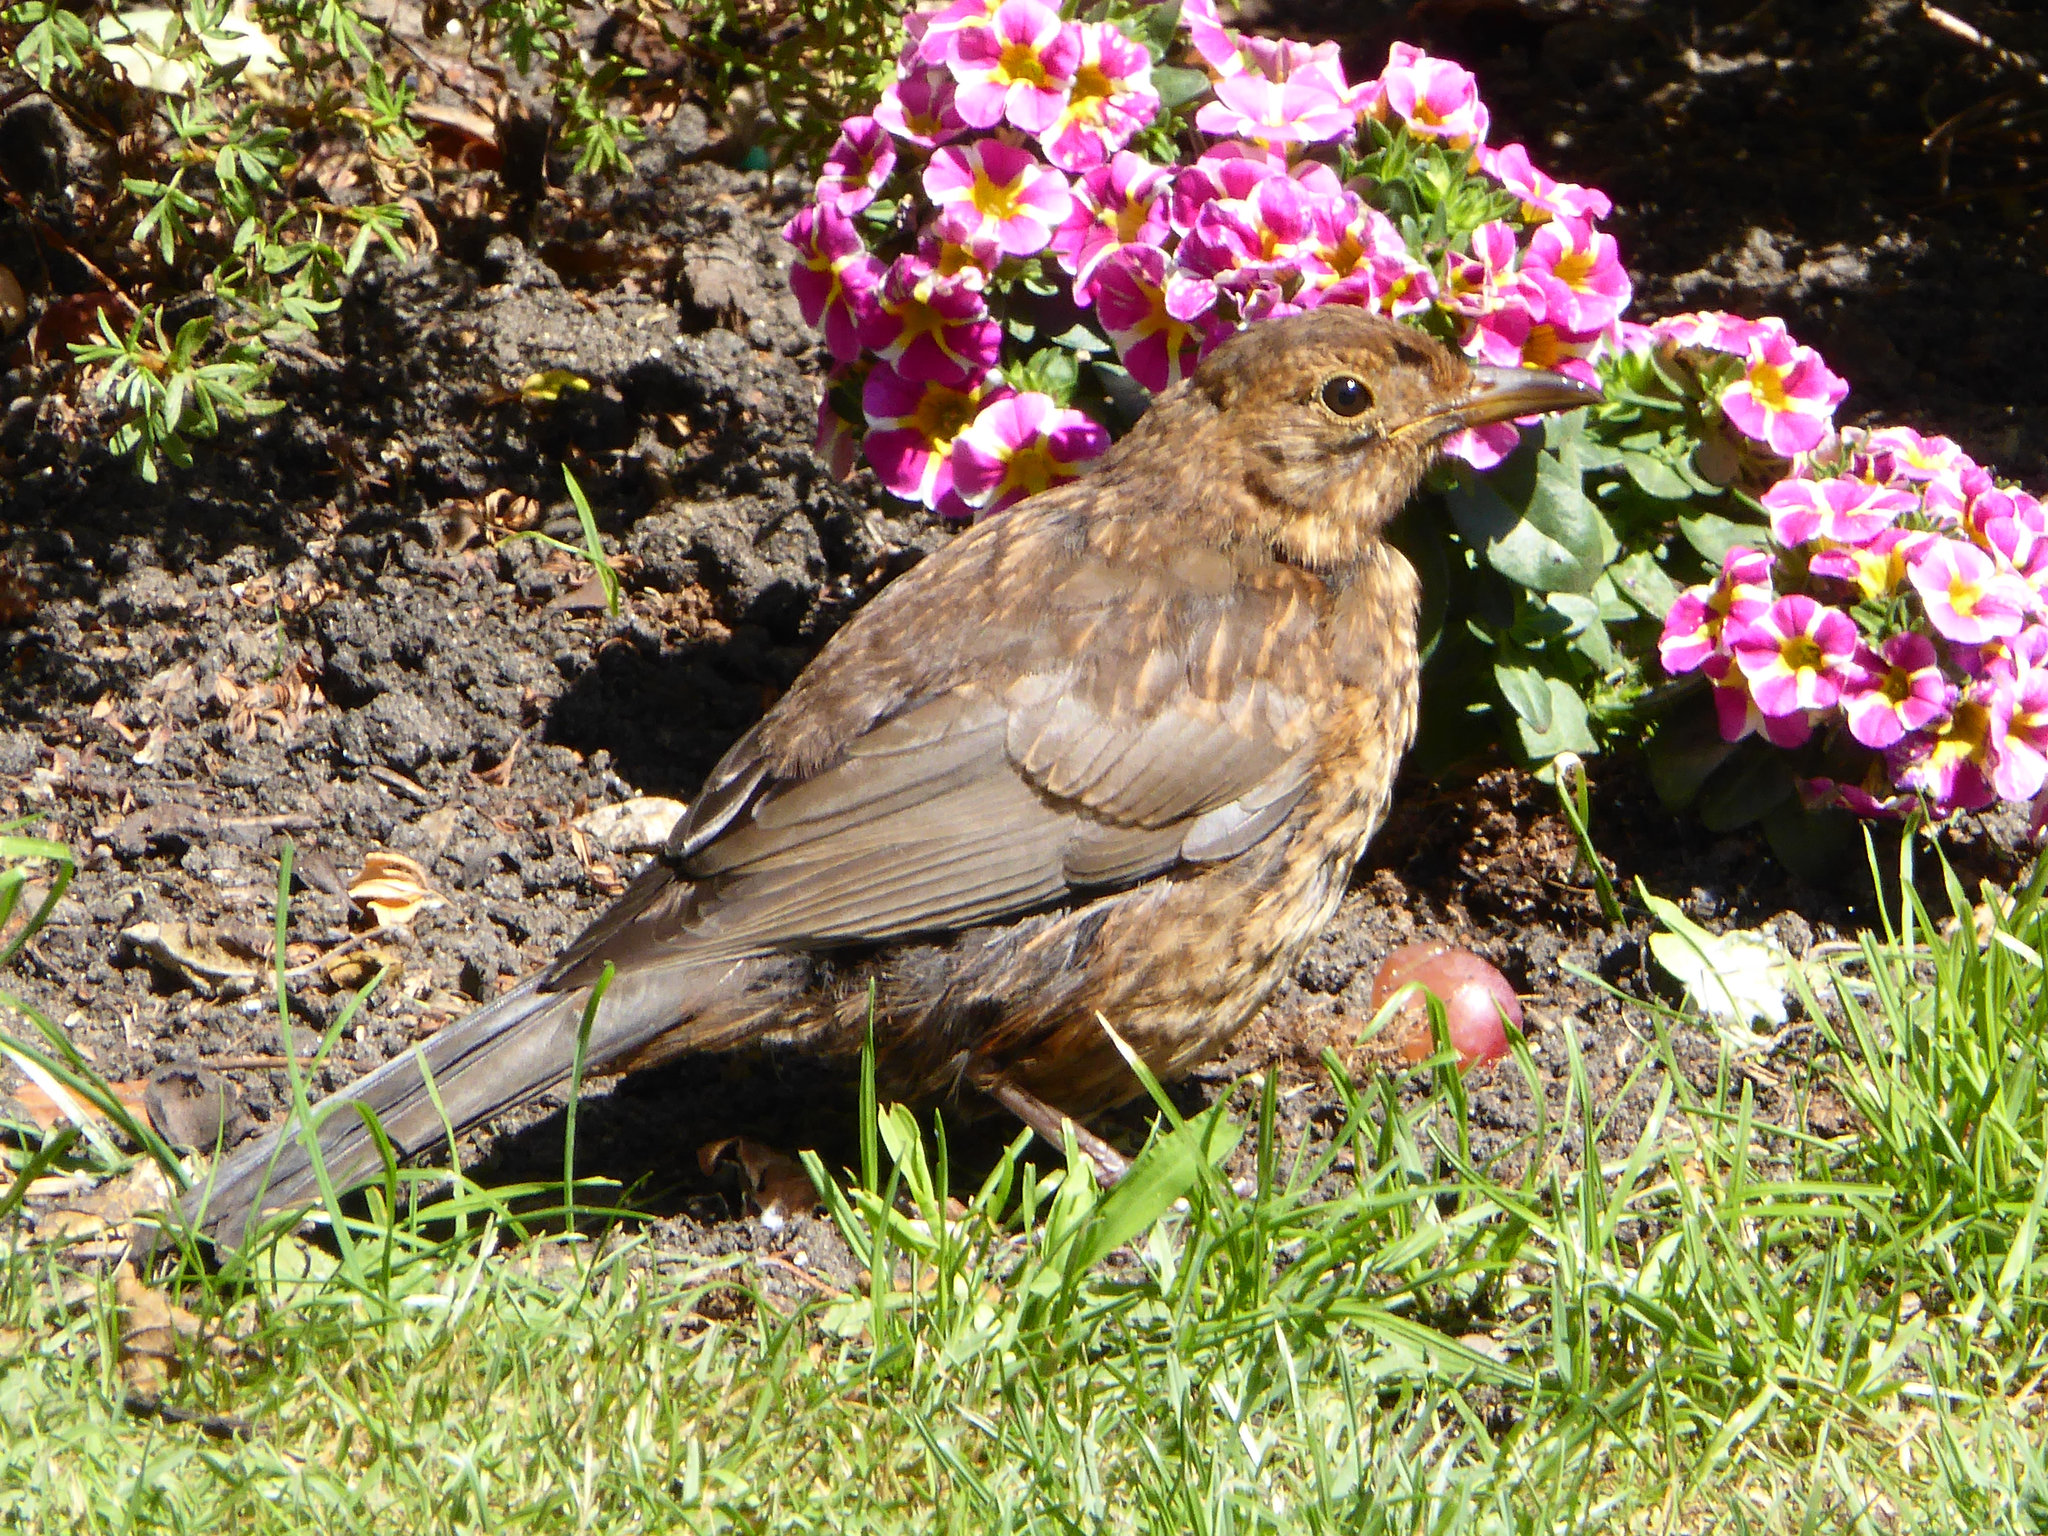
x: 1500, y: 394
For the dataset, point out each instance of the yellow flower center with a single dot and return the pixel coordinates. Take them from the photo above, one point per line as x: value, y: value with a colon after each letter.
x: 1964, y: 595
x: 1768, y: 385
x: 1091, y: 91
x: 943, y: 414
x: 1030, y: 468
x: 998, y: 201
x: 1573, y: 268
x: 1542, y: 349
x: 1962, y: 737
x: 1800, y: 653
x: 1897, y: 686
x: 1130, y: 222
x: 1020, y: 62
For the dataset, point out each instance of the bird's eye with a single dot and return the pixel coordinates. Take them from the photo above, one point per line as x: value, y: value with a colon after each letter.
x: 1346, y: 396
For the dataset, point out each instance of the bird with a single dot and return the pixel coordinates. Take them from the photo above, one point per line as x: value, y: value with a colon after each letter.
x: 1107, y: 756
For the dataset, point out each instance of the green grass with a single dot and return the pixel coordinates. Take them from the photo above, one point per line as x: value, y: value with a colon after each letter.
x: 1727, y: 1326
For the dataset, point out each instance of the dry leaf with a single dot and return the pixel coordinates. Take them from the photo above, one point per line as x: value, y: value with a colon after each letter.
x: 639, y: 825
x: 394, y: 888
x: 214, y: 962
x: 48, y: 1114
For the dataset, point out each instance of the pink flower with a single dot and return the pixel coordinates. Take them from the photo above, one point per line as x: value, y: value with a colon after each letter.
x: 1967, y: 598
x: 1542, y: 197
x: 1320, y: 64
x: 932, y: 32
x: 1486, y: 279
x: 1795, y: 655
x: 833, y: 276
x: 1158, y: 317
x: 1019, y: 446
x: 2017, y: 746
x: 1111, y: 99
x: 1876, y: 568
x: 1484, y: 447
x: 1298, y: 111
x: 1740, y: 594
x: 1947, y: 764
x: 1579, y: 272
x: 1227, y: 173
x: 1118, y: 204
x: 1017, y: 66
x: 1435, y: 98
x: 1786, y: 397
x: 859, y: 161
x: 1737, y: 715
x: 1845, y: 510
x: 1892, y: 693
x: 919, y: 107
x: 996, y: 193
x: 1268, y: 239
x: 1712, y: 329
x: 1893, y: 454
x: 1215, y: 44
x: 912, y: 427
x: 929, y: 327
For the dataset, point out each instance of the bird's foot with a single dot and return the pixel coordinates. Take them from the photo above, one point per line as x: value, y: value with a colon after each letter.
x: 1109, y: 1164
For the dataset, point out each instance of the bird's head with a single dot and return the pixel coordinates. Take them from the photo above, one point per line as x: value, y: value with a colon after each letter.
x: 1327, y: 421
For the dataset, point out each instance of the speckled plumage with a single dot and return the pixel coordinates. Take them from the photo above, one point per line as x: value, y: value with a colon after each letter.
x: 1111, y: 753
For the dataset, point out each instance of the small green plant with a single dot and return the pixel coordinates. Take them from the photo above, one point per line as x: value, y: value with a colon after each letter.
x: 170, y: 396
x: 593, y: 542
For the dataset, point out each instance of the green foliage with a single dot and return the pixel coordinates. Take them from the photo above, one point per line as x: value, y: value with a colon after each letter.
x: 1552, y: 573
x: 219, y: 122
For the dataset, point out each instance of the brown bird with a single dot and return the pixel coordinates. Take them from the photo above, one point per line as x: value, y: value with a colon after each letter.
x: 1113, y: 752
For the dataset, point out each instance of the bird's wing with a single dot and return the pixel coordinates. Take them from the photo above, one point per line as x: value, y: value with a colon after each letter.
x: 1116, y: 725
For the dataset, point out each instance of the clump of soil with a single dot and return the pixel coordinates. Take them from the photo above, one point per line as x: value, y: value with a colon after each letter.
x: 316, y: 635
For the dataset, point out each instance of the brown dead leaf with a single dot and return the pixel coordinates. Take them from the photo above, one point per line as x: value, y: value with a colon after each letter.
x: 775, y: 1182
x: 108, y: 1209
x: 393, y: 888
x: 213, y: 962
x: 48, y: 1114
x: 348, y: 969
x: 152, y: 1328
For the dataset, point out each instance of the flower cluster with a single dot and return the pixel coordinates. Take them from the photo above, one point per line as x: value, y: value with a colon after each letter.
x: 1043, y: 212
x: 1898, y: 618
x: 1024, y: 177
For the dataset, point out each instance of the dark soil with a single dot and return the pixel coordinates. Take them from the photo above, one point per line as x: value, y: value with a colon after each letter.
x: 313, y: 635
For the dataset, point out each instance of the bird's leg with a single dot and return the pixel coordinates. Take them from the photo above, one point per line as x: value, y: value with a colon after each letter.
x: 1110, y: 1165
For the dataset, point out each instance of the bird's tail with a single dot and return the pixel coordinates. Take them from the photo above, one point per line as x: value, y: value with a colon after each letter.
x: 505, y: 1053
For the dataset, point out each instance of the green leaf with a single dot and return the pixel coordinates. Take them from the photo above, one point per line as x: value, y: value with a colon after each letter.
x: 1532, y: 522
x: 1756, y: 783
x: 1163, y: 1172
x: 1614, y: 608
x: 1177, y: 87
x: 1643, y: 582
x: 1657, y: 477
x: 1587, y: 632
x: 1527, y: 692
x: 1714, y: 535
x: 1683, y: 756
x: 1078, y: 338
x: 1568, y: 730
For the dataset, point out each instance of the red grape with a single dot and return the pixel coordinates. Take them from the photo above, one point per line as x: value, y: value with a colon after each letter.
x: 1473, y: 993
